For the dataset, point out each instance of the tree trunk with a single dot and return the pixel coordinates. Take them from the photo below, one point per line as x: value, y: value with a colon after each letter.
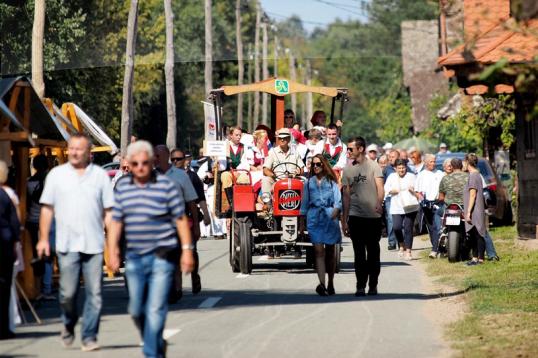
x: 293, y: 78
x: 208, y: 73
x: 265, y: 72
x: 275, y: 59
x: 256, y: 115
x: 240, y: 65
x: 38, y: 32
x: 127, y: 104
x: 309, y: 102
x: 171, y: 134
x: 250, y: 94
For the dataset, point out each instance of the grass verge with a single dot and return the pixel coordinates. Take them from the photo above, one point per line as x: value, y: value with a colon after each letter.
x: 502, y: 299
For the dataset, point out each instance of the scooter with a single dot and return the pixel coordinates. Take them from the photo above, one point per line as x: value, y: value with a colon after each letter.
x: 452, y: 238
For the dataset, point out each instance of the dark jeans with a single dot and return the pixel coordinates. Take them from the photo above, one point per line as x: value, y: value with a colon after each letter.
x: 477, y: 242
x: 365, y: 234
x: 403, y: 228
x: 431, y: 224
x: 7, y: 258
x: 91, y: 265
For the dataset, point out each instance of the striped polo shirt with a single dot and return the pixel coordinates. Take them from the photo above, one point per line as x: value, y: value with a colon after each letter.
x: 148, y: 212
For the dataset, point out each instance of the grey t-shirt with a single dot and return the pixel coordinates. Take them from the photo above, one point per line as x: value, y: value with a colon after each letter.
x: 360, y: 177
x: 478, y: 218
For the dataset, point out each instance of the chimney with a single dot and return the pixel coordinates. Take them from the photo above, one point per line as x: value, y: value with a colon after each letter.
x: 481, y: 15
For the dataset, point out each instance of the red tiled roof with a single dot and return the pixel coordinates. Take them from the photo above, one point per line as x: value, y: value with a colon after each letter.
x: 515, y: 42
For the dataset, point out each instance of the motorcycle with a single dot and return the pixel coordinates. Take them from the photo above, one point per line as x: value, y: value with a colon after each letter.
x: 452, y: 238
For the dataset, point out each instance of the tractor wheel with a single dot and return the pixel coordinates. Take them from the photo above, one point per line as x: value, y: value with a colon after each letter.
x: 234, y: 243
x: 244, y: 237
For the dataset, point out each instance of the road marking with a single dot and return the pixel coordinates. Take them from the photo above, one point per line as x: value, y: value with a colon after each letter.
x: 242, y: 275
x: 209, y: 302
x: 167, y: 333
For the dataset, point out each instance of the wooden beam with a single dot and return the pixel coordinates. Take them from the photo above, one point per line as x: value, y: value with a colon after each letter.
x: 14, y: 136
x: 14, y: 99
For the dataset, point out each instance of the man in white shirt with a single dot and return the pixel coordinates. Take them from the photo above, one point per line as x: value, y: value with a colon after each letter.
x: 78, y: 195
x: 427, y: 191
x: 332, y: 148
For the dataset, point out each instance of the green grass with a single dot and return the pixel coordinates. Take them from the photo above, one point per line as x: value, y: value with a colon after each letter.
x: 502, y: 320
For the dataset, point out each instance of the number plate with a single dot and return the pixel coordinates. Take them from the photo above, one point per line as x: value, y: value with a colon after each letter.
x: 452, y: 220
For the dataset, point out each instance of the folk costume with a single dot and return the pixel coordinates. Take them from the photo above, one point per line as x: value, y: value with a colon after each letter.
x: 335, y: 154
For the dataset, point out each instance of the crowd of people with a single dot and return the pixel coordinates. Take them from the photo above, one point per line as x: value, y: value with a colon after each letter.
x: 157, y: 207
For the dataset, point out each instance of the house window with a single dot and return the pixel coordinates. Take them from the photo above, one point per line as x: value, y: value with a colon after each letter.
x: 529, y: 128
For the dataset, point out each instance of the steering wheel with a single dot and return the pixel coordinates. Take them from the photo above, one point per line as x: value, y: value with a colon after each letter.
x: 285, y: 172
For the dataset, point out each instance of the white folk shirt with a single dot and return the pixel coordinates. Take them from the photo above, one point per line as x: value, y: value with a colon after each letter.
x: 247, y: 158
x: 428, y: 182
x: 342, y: 160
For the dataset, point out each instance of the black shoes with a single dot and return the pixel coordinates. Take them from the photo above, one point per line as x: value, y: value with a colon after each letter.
x: 321, y: 290
x: 174, y: 296
x: 494, y: 258
x: 330, y: 290
x: 360, y: 292
x: 196, y: 283
x: 392, y: 247
x: 372, y: 291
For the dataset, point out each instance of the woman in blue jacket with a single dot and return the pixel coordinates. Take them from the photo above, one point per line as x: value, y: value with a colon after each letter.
x: 321, y: 205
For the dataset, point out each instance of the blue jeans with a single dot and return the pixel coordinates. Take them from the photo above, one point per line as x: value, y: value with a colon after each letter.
x: 490, y: 248
x: 432, y: 221
x: 391, y: 236
x: 149, y: 280
x: 71, y: 264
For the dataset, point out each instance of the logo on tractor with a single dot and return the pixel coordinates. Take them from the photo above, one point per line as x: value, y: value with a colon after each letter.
x: 289, y: 200
x: 282, y: 86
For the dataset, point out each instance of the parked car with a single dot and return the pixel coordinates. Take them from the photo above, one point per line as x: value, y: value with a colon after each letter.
x: 496, y: 195
x: 111, y: 168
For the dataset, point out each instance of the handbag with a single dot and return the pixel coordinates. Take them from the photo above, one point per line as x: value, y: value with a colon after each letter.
x: 409, y: 201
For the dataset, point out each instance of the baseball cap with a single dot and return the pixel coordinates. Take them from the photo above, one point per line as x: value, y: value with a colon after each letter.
x: 283, y: 133
x: 371, y: 147
x: 442, y: 145
x: 412, y: 149
x: 387, y: 145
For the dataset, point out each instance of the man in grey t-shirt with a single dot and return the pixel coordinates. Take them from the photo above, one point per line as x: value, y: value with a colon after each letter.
x: 363, y: 199
x: 79, y: 196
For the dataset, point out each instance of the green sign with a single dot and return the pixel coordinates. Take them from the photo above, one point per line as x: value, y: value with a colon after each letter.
x: 282, y: 86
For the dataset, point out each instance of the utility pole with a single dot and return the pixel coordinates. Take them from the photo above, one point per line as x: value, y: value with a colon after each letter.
x: 127, y: 105
x: 38, y: 31
x: 256, y: 115
x: 309, y: 104
x: 240, y: 65
x: 171, y: 133
x: 208, y: 69
x: 293, y: 78
x: 265, y: 72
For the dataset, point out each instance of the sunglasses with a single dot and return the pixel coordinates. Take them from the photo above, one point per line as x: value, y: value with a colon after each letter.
x: 349, y: 149
x: 125, y: 168
x: 177, y: 159
x: 317, y: 164
x: 142, y: 164
x: 288, y: 116
x: 285, y: 138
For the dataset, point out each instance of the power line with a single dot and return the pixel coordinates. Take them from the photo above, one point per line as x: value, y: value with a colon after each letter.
x: 345, y: 7
x: 309, y: 22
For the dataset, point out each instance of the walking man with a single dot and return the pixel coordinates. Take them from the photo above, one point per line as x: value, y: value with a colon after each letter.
x: 363, y: 206
x: 149, y: 207
x: 78, y: 195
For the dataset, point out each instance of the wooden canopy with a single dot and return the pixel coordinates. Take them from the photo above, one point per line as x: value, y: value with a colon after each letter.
x: 281, y: 87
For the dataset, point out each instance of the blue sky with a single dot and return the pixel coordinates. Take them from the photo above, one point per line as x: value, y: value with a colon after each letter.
x: 315, y: 13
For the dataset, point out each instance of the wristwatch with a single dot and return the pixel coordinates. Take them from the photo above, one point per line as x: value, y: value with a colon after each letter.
x: 187, y: 247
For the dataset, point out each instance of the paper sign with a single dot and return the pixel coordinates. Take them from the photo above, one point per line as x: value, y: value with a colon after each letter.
x: 210, y: 123
x: 215, y: 148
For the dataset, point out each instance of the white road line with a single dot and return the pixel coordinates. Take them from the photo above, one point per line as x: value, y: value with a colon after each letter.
x: 167, y: 333
x: 242, y: 275
x: 209, y: 302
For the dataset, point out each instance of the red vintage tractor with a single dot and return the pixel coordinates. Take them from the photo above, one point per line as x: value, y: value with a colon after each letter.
x: 259, y: 221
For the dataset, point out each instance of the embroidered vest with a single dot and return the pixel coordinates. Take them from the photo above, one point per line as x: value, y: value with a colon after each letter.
x: 235, y: 159
x: 333, y: 159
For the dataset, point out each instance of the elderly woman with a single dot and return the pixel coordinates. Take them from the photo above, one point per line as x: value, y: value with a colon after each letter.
x: 447, y: 166
x: 321, y: 206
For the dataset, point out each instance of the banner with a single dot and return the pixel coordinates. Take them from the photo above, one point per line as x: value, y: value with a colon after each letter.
x: 210, y: 122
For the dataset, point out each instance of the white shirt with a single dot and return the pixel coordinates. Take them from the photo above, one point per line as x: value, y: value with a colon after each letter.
x: 428, y: 182
x: 247, y: 158
x: 79, y: 202
x: 395, y: 182
x: 341, y: 163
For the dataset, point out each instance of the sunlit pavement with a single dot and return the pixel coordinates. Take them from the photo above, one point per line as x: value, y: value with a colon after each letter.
x: 272, y: 313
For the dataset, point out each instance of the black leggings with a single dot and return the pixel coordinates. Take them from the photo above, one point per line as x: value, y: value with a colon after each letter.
x: 477, y: 242
x: 402, y: 224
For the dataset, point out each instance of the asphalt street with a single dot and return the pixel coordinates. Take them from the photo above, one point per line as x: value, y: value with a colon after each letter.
x: 272, y: 313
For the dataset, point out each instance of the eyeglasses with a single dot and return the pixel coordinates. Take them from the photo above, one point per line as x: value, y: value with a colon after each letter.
x: 177, y: 159
x: 142, y: 164
x: 317, y: 164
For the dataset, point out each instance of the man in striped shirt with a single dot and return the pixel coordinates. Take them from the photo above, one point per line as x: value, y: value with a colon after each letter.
x: 150, y: 209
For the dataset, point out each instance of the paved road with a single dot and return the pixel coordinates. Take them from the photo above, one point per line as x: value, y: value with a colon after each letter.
x: 272, y: 313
